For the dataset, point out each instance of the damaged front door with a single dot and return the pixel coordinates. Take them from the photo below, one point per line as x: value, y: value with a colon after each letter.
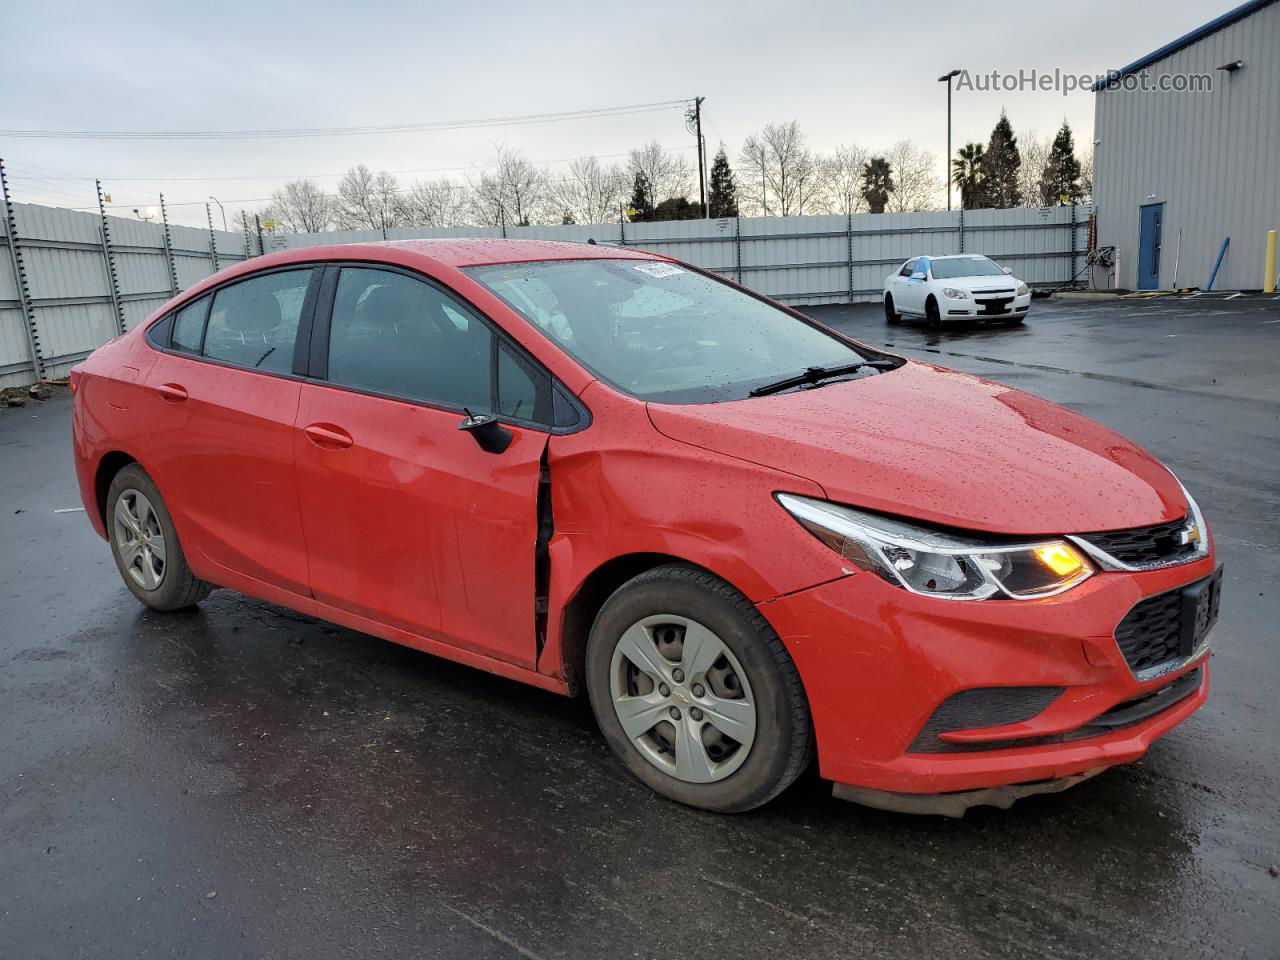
x: 410, y: 519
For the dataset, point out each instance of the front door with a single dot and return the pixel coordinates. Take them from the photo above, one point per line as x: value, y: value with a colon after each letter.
x: 408, y: 521
x: 1152, y: 229
x: 222, y: 400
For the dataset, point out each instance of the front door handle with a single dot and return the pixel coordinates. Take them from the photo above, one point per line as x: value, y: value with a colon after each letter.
x: 173, y: 392
x: 328, y: 436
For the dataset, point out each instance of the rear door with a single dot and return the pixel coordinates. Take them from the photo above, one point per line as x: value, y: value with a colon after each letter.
x: 223, y: 395
x: 408, y: 521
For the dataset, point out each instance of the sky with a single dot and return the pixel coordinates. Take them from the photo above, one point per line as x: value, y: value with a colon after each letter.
x: 847, y: 72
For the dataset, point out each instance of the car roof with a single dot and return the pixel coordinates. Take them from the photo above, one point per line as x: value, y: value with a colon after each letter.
x: 475, y: 251
x: 959, y: 256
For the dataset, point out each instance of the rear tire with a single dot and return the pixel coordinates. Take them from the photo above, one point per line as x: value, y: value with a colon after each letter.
x: 891, y: 316
x: 145, y: 544
x: 732, y: 729
x: 931, y: 314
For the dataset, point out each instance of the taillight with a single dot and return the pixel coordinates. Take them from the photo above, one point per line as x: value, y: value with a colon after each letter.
x: 74, y: 379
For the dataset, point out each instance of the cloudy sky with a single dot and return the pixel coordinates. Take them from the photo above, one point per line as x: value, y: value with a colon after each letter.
x: 849, y: 72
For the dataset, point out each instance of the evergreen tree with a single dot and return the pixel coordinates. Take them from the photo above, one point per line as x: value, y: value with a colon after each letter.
x: 1000, y: 165
x: 1061, y: 180
x: 723, y: 199
x: 877, y: 183
x: 567, y: 218
x: 676, y: 208
x: 641, y: 199
x: 966, y: 173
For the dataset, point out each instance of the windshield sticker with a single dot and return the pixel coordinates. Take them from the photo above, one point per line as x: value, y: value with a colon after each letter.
x: 658, y: 270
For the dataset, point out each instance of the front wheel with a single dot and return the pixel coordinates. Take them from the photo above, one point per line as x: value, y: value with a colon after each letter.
x: 932, y: 314
x: 695, y: 693
x: 145, y: 544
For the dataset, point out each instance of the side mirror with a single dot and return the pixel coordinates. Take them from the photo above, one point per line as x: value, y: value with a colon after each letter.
x: 1008, y: 270
x: 917, y: 275
x: 488, y: 433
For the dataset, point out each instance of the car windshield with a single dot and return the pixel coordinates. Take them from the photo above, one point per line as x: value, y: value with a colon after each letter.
x: 661, y: 332
x: 953, y: 267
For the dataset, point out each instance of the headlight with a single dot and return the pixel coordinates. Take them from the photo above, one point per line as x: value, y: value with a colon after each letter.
x: 940, y: 564
x: 1023, y: 289
x: 954, y: 294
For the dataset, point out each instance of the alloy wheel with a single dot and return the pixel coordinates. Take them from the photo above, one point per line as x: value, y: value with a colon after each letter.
x: 682, y: 698
x: 140, y: 539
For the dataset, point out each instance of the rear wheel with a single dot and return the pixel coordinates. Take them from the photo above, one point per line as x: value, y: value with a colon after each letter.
x: 695, y: 693
x: 931, y: 313
x: 145, y: 545
x: 890, y: 314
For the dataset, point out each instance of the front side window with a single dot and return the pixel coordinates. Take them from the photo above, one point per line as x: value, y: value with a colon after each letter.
x: 396, y: 335
x: 661, y: 332
x: 254, y: 323
x: 953, y: 267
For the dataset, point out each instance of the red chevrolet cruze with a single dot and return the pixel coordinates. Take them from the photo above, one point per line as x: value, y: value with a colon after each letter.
x: 747, y: 537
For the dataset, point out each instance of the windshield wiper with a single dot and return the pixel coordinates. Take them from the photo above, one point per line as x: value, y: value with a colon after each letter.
x: 815, y: 375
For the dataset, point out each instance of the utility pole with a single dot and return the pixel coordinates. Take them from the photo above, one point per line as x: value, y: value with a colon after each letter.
x: 693, y: 123
x: 946, y: 166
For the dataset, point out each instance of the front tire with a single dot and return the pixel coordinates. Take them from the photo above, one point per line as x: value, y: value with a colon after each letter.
x: 932, y: 315
x: 145, y: 544
x: 695, y: 693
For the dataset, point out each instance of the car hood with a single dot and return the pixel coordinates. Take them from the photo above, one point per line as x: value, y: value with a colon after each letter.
x: 944, y: 447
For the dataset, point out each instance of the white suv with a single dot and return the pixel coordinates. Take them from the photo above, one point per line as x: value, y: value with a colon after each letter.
x: 956, y: 288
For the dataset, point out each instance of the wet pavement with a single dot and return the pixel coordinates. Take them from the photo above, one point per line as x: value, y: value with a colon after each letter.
x: 242, y: 781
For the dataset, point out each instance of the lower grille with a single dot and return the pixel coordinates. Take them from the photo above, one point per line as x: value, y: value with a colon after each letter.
x: 1151, y: 633
x: 1122, y: 715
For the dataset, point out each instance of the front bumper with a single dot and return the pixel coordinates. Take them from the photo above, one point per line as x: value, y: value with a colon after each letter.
x: 976, y: 308
x: 877, y: 662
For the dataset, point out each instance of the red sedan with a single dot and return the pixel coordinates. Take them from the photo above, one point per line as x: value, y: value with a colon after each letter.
x: 747, y: 537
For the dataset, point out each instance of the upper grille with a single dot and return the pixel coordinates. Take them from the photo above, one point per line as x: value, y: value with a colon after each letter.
x: 1150, y: 633
x: 1145, y: 546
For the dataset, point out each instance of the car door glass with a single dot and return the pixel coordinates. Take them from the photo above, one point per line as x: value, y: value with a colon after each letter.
x: 188, y: 326
x: 907, y: 268
x: 254, y: 323
x: 396, y: 335
x: 524, y: 392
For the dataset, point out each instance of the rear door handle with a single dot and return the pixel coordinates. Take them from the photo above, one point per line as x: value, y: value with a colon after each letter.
x: 328, y: 436
x: 173, y: 392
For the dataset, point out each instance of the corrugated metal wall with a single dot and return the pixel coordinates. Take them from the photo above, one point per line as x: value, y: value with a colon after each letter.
x: 1212, y: 158
x: 810, y: 260
x: 68, y: 286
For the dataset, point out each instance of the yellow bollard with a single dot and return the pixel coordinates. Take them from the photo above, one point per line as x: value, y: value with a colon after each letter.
x: 1269, y: 281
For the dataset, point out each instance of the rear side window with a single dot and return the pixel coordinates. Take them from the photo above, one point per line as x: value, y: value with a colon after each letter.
x: 254, y: 323
x: 908, y: 268
x: 188, y: 326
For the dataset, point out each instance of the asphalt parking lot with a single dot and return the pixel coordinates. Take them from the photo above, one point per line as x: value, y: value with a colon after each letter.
x: 242, y: 781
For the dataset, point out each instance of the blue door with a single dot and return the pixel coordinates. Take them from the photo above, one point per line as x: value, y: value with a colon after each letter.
x: 1149, y: 246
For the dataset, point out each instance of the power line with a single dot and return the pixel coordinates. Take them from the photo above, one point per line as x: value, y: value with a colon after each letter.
x: 323, y: 176
x: 286, y: 133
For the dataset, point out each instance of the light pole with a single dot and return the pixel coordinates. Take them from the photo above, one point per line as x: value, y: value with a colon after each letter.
x: 223, y: 212
x: 946, y: 167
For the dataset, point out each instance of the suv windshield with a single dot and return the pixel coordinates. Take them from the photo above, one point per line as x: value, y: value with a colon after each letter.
x: 661, y: 332
x: 953, y: 267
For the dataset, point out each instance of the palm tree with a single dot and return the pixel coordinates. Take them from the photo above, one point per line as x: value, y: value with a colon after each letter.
x: 966, y: 174
x: 877, y: 183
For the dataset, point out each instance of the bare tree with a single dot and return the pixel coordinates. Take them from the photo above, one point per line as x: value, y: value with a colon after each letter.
x: 436, y: 203
x: 669, y: 174
x: 780, y: 173
x: 590, y: 193
x: 918, y: 185
x: 1035, y: 154
x: 301, y: 206
x: 1086, y: 176
x: 842, y: 179
x: 512, y: 191
x: 368, y: 201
